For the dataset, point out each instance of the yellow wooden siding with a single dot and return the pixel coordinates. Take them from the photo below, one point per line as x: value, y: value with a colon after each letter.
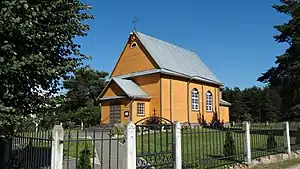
x: 179, y: 100
x: 166, y: 98
x: 104, y: 113
x: 133, y: 59
x: 135, y: 116
x: 224, y: 114
x: 125, y: 106
x: 113, y: 90
x: 151, y: 85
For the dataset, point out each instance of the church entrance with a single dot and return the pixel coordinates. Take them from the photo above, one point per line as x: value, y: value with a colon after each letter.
x: 115, y: 113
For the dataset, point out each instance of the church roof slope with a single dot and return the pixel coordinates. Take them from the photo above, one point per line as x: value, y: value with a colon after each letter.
x: 176, y: 59
x: 130, y: 88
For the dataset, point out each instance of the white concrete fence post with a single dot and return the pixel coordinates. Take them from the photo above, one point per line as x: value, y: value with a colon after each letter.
x: 57, y: 147
x: 247, y: 143
x: 177, y: 135
x: 287, y: 138
x: 130, y: 135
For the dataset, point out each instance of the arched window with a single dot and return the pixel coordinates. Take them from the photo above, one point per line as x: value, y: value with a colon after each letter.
x: 133, y: 45
x: 195, y: 99
x: 209, y: 101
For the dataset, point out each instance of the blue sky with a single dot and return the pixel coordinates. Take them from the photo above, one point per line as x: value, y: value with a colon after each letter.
x: 233, y: 38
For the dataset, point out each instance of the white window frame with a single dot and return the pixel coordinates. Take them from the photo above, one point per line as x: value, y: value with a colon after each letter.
x: 195, y: 100
x: 140, y: 109
x: 209, y: 101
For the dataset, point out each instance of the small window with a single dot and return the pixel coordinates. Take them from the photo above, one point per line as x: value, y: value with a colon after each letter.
x: 133, y: 45
x: 141, y: 109
x: 195, y: 100
x: 209, y: 101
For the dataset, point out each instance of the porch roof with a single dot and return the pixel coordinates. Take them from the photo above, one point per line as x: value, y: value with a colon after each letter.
x: 224, y: 103
x: 130, y: 88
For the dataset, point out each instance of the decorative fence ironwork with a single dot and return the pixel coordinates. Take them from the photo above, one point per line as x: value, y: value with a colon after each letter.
x: 155, y: 143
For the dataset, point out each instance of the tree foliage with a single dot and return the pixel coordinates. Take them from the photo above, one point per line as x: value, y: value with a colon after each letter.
x: 84, y: 87
x: 254, y: 104
x: 36, y: 51
x: 81, y: 103
x: 229, y: 145
x: 286, y: 74
x: 84, y: 161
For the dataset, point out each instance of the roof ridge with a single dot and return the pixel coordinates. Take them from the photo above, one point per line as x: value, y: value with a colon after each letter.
x: 169, y: 43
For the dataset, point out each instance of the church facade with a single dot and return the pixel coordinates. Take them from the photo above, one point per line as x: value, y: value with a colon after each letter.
x: 156, y: 78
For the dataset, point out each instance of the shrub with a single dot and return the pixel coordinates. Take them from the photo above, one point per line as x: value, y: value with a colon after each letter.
x: 84, y: 159
x: 271, y: 142
x: 152, y: 121
x: 116, y: 131
x: 229, y: 146
x: 298, y: 136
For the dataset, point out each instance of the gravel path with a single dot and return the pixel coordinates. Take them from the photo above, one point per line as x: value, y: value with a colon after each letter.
x: 110, y: 153
x: 294, y: 167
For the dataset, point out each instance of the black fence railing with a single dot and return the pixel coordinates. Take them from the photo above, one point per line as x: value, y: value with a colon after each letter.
x: 30, y: 149
x: 266, y: 139
x: 295, y: 135
x: 214, y: 146
x: 98, y: 148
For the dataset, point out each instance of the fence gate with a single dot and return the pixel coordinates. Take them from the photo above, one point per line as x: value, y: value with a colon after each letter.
x: 155, y: 144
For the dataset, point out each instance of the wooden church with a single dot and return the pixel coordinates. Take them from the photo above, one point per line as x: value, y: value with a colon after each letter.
x: 156, y: 78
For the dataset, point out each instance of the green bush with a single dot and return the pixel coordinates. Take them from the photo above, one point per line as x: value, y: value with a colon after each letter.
x: 84, y: 159
x: 229, y: 146
x: 298, y: 136
x: 271, y: 142
x: 116, y: 131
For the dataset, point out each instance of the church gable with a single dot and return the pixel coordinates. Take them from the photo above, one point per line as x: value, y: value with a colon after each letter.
x: 114, y: 90
x: 134, y: 58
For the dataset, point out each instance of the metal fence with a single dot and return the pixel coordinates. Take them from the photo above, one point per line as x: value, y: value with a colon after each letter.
x: 267, y: 139
x: 155, y: 145
x: 101, y: 148
x: 30, y: 149
x: 295, y: 135
x: 213, y: 146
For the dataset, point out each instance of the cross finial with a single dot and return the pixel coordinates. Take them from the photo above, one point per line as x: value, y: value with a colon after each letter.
x: 134, y: 23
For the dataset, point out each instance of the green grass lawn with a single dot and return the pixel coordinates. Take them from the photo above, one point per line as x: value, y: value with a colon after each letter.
x: 73, y: 148
x: 204, y: 147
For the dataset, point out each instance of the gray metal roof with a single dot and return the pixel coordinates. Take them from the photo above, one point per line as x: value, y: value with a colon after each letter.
x: 224, y: 103
x: 112, y: 97
x: 130, y: 88
x: 176, y: 59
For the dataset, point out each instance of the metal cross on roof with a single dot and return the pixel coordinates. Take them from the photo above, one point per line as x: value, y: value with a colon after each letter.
x: 134, y: 21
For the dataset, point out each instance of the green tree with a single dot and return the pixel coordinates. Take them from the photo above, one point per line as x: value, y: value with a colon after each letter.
x: 84, y: 161
x: 84, y: 87
x: 229, y: 146
x: 286, y: 74
x: 36, y: 51
x: 252, y: 97
x: 81, y: 102
x: 239, y: 110
x: 271, y: 141
x: 270, y: 105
